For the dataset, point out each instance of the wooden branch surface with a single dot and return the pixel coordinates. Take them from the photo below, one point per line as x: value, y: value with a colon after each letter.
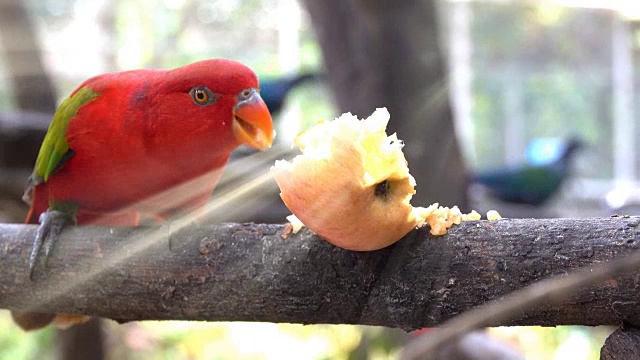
x: 248, y: 272
x: 623, y: 343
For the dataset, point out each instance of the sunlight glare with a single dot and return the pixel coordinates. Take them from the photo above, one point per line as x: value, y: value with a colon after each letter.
x: 144, y: 239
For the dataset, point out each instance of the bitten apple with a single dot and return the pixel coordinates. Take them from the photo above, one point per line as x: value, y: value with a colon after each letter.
x: 351, y: 185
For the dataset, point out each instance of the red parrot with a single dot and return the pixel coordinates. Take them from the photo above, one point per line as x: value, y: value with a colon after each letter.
x: 140, y: 143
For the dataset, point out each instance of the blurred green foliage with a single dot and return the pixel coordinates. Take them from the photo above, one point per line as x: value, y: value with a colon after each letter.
x: 178, y: 340
x: 16, y: 344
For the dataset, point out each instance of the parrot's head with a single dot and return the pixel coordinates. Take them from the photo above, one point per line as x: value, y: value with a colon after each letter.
x: 218, y: 101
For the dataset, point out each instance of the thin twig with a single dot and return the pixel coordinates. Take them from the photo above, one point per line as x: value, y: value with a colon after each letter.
x: 496, y: 311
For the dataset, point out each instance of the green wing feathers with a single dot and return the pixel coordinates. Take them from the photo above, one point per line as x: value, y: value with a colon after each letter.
x: 54, y: 149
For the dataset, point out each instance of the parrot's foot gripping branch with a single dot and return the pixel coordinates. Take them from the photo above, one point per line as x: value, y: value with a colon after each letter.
x: 51, y: 224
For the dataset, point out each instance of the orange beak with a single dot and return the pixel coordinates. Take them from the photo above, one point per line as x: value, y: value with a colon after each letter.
x: 252, y: 123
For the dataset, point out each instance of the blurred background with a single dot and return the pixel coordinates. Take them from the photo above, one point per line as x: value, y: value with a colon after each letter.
x: 527, y: 107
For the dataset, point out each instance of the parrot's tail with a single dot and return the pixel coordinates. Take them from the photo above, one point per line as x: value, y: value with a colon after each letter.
x: 39, y: 204
x: 31, y: 320
x: 31, y: 219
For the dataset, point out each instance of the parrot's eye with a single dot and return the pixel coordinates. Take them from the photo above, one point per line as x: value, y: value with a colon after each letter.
x: 202, y: 96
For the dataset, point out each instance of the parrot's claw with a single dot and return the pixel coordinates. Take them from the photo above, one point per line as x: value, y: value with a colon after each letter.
x: 51, y: 224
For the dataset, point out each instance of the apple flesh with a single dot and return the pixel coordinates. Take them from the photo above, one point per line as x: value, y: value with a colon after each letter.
x: 351, y: 185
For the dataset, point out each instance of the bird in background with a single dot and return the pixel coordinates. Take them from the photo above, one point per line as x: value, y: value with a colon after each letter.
x: 139, y: 144
x: 274, y: 91
x: 531, y: 183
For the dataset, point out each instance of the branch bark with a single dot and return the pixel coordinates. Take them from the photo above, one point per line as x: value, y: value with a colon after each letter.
x: 623, y: 343
x: 248, y: 272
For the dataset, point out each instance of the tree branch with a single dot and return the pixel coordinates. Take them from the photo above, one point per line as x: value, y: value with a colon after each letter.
x: 546, y: 291
x: 249, y: 272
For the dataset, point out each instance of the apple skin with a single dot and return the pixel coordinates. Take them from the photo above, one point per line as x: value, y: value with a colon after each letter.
x: 351, y: 185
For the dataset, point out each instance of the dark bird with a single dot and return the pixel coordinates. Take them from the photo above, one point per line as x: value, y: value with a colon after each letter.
x: 529, y: 184
x: 274, y: 91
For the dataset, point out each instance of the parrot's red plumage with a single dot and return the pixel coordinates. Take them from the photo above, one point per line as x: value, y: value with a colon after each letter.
x: 145, y: 143
x: 143, y: 134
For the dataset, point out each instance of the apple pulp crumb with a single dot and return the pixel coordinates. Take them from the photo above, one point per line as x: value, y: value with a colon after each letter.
x: 493, y: 215
x: 440, y: 218
x: 296, y: 224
